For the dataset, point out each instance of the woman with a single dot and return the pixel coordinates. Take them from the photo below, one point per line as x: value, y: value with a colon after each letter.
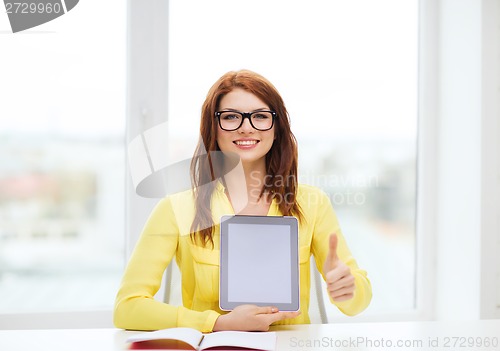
x: 243, y: 116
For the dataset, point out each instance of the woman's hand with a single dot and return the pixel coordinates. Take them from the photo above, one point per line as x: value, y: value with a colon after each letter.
x: 339, y: 280
x: 251, y: 318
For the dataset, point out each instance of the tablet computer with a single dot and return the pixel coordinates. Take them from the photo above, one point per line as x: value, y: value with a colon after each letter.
x: 259, y: 262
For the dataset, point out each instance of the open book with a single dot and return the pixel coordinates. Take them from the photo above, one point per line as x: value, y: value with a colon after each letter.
x: 192, y: 339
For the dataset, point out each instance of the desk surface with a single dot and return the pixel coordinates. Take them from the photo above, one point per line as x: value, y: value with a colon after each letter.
x: 473, y: 335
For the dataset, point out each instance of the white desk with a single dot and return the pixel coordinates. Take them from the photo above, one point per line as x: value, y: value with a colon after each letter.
x: 472, y: 335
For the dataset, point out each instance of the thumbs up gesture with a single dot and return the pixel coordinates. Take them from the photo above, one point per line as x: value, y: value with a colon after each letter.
x: 339, y: 280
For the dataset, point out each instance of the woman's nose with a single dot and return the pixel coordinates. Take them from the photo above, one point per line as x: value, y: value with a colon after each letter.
x: 246, y: 127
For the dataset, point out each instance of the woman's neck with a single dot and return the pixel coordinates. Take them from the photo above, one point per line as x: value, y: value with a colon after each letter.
x: 245, y: 184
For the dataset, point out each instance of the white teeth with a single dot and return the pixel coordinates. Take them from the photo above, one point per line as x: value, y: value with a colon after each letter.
x: 246, y: 142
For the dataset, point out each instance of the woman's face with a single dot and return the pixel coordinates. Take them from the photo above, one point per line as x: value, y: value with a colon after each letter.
x: 250, y: 144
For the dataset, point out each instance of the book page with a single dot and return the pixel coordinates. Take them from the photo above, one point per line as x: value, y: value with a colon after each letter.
x: 251, y: 340
x: 190, y: 336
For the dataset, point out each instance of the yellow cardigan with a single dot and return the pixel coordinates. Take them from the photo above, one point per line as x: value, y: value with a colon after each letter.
x: 166, y: 234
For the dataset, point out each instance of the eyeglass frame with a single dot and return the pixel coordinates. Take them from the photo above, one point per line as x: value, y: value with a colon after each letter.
x: 243, y: 116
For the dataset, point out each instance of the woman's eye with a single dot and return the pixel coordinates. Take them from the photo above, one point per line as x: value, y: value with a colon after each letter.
x: 260, y: 116
x: 230, y: 117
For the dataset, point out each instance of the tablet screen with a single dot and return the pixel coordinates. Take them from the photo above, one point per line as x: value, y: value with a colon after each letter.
x: 259, y: 262
x: 249, y: 247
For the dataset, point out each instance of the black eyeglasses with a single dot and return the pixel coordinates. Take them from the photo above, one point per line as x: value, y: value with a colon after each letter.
x: 259, y: 120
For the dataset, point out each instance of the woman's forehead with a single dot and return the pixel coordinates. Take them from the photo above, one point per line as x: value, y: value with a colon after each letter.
x: 241, y: 100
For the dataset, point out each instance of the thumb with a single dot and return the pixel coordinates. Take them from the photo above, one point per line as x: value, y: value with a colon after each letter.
x: 332, y: 258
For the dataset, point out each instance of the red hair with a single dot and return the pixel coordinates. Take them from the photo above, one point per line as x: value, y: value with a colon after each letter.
x: 281, y: 160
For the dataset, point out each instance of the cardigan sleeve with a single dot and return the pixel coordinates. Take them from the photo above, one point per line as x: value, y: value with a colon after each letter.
x: 135, y: 306
x: 326, y: 223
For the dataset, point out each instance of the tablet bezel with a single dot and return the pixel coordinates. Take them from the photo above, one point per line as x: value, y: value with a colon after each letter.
x: 289, y: 221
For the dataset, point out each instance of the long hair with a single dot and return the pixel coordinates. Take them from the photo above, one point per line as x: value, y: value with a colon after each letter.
x: 281, y: 160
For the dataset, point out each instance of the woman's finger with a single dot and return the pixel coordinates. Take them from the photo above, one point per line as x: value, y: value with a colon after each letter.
x: 343, y: 291
x: 278, y: 316
x: 265, y: 309
x: 338, y: 273
x: 345, y: 281
x: 343, y: 297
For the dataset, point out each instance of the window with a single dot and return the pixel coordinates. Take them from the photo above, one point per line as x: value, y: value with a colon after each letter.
x: 348, y: 74
x: 62, y: 175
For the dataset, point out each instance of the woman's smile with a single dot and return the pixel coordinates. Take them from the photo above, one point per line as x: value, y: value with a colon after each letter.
x: 246, y: 143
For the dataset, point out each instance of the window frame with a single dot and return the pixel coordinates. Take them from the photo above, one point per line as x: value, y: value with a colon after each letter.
x: 490, y: 161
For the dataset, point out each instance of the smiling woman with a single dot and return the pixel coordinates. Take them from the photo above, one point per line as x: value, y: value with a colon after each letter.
x: 185, y: 226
